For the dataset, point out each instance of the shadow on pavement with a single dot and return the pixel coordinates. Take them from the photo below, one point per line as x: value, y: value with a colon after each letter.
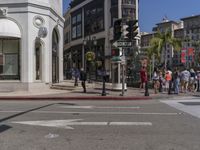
x: 4, y: 128
x: 24, y: 112
x: 88, y: 92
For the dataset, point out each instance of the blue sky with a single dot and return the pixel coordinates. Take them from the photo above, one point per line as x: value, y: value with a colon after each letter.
x: 153, y: 11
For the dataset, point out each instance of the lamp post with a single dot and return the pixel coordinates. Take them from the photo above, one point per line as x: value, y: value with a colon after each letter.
x: 90, y: 42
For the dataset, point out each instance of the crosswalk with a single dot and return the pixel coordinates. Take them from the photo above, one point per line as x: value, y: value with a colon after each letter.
x: 189, y: 105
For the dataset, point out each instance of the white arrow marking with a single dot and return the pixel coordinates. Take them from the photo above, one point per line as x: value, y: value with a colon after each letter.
x: 98, y: 107
x: 67, y: 123
x: 50, y: 123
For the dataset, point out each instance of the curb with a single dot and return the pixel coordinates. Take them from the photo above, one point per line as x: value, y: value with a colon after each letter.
x: 74, y: 98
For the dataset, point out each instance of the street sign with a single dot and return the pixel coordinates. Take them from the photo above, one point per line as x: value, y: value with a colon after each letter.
x: 116, y: 58
x: 122, y: 44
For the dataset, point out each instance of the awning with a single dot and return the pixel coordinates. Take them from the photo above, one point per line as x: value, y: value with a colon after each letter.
x: 9, y: 28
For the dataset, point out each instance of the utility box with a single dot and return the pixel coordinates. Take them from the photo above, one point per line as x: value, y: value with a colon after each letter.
x: 116, y: 75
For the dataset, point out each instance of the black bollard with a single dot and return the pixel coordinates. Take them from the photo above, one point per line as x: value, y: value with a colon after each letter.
x: 146, y: 89
x: 198, y: 86
x: 160, y: 87
x: 104, y: 86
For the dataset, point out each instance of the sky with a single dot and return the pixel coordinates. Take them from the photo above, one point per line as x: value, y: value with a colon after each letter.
x: 152, y: 12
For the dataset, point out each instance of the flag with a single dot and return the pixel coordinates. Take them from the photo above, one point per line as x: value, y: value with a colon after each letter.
x: 183, y: 55
x: 191, y: 54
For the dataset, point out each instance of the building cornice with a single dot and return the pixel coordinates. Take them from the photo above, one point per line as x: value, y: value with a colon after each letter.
x: 17, y: 5
x: 168, y: 22
x: 81, y: 5
x: 191, y: 17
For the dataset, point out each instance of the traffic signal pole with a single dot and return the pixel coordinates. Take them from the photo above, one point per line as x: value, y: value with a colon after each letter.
x: 123, y: 75
x: 123, y: 37
x: 125, y: 32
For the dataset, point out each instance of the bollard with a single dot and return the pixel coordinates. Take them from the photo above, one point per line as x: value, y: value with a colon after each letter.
x: 160, y: 86
x: 104, y: 86
x: 198, y: 86
x: 146, y: 89
x: 76, y: 81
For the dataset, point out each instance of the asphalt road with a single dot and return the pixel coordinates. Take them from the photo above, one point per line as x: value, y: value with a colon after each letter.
x: 99, y: 125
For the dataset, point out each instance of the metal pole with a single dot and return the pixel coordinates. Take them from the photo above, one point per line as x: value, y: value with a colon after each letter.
x: 103, y: 77
x: 123, y: 82
x: 123, y: 78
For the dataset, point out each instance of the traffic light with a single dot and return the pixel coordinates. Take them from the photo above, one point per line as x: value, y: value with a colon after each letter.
x: 132, y: 29
x: 117, y: 29
x: 115, y: 52
x: 125, y: 31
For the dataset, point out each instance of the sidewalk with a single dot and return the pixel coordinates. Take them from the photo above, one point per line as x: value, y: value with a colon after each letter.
x: 67, y: 91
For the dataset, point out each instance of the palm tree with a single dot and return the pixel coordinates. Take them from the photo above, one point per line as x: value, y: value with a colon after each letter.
x: 159, y: 43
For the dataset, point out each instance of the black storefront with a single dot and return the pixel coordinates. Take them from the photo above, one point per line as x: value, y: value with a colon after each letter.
x: 72, y: 59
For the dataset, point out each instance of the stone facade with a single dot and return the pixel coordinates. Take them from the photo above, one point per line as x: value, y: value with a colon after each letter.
x: 40, y: 53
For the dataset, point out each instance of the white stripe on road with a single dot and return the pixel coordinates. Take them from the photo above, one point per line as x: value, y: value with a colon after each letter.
x: 131, y: 123
x: 98, y: 107
x: 99, y: 113
x: 66, y: 124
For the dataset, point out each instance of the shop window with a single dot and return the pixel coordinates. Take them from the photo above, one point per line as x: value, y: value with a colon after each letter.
x: 9, y: 59
x: 74, y: 20
x: 74, y: 32
x: 78, y: 30
x: 78, y: 18
x: 76, y: 25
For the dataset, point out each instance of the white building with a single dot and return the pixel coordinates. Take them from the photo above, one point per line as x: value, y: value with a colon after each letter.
x: 30, y: 58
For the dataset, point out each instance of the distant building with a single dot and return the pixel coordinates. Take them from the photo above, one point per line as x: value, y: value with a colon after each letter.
x: 31, y: 44
x: 91, y: 28
x: 191, y: 39
x: 179, y: 34
x: 175, y: 28
x: 145, y: 43
x: 168, y: 53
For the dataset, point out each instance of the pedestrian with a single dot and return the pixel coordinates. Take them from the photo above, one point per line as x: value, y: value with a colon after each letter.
x: 76, y: 76
x: 198, y: 79
x: 143, y: 77
x: 156, y: 80
x: 161, y: 81
x: 185, y: 76
x: 192, y: 79
x: 176, y: 80
x: 83, y: 78
x: 168, y: 78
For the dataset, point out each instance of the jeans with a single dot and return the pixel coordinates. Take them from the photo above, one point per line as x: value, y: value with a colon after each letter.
x: 176, y: 86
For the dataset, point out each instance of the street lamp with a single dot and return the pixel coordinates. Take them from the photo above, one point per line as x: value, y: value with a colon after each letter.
x: 90, y: 43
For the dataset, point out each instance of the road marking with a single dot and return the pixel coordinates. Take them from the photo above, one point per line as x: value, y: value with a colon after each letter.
x: 98, y: 107
x: 66, y: 124
x: 51, y: 136
x: 98, y: 113
x: 193, y: 110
